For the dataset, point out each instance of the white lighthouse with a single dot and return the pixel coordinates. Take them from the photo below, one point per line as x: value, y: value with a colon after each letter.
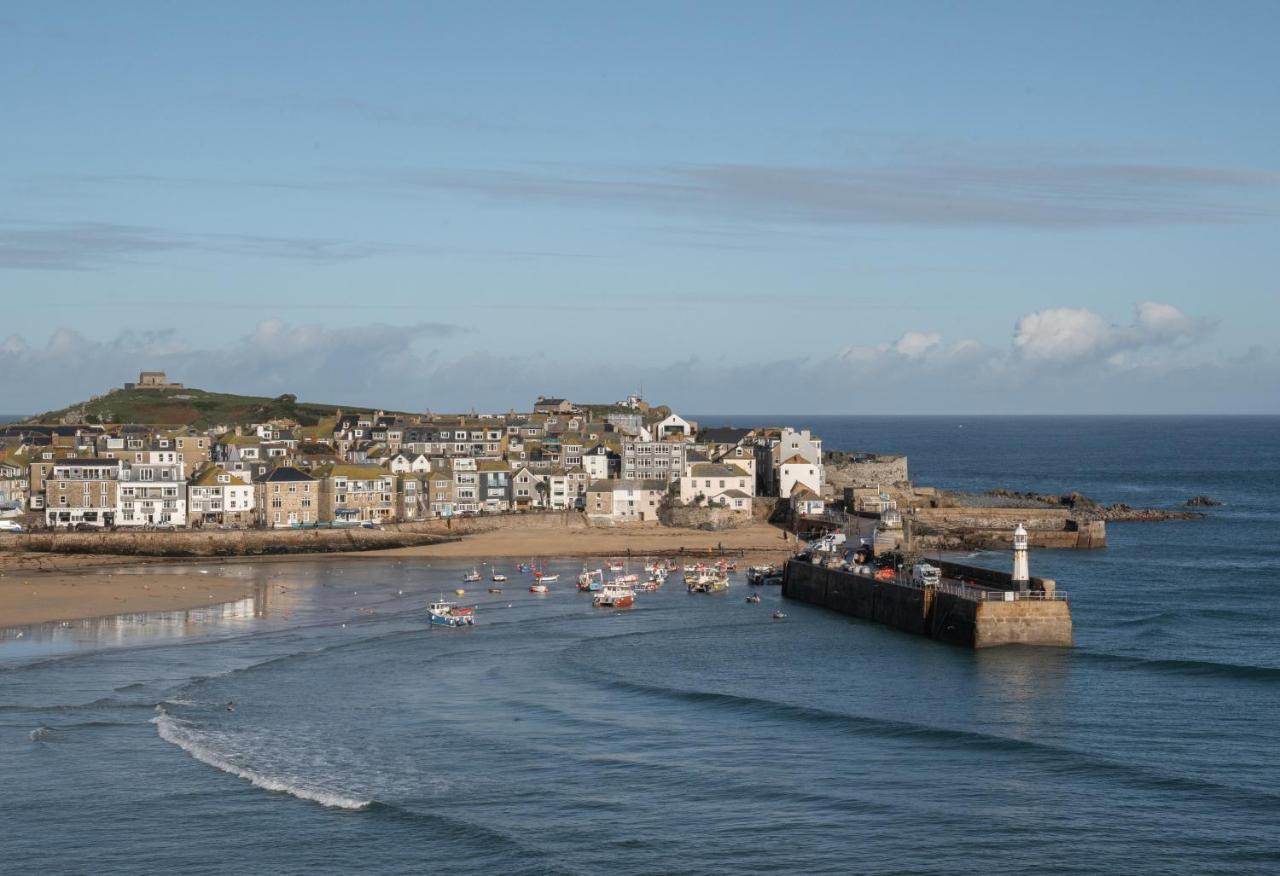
x: 1021, y: 569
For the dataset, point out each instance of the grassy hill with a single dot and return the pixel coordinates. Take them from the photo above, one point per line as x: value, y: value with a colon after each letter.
x: 186, y: 407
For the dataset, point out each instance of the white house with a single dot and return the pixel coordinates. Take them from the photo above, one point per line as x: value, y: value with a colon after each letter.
x: 674, y: 425
x: 717, y: 484
x: 798, y: 470
x: 216, y: 495
x: 150, y: 494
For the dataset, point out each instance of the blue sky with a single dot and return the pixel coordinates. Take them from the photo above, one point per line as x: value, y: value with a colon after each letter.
x: 741, y: 207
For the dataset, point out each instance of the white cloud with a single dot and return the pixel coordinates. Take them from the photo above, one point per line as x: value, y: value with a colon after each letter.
x: 1062, y: 334
x: 915, y: 345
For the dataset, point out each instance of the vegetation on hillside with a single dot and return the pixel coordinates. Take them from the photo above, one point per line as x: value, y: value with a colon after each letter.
x: 186, y: 407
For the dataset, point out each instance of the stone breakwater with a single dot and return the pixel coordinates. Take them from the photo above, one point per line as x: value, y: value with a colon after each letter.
x: 949, y: 615
x: 1085, y: 508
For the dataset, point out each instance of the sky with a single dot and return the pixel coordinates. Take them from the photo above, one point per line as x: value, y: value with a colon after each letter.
x: 732, y: 207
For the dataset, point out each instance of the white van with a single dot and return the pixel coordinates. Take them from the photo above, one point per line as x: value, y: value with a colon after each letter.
x: 11, y: 526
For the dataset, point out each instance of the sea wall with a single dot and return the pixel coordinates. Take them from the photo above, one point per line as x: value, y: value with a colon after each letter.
x: 992, y: 528
x: 703, y: 517
x: 862, y: 470
x: 228, y: 543
x: 939, y: 615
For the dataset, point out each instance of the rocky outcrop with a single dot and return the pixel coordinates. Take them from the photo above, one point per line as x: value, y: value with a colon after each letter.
x: 1085, y: 508
x: 1202, y: 502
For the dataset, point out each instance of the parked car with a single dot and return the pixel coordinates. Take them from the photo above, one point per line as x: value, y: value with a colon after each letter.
x: 11, y: 526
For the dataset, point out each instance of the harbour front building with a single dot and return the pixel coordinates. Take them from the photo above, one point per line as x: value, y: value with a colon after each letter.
x: 286, y: 496
x: 152, y: 494
x: 82, y: 491
x: 216, y: 495
x: 357, y: 493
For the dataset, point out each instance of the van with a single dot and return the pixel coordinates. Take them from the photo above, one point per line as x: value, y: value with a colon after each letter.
x: 11, y: 526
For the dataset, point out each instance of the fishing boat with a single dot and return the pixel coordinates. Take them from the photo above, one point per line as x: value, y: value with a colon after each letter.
x: 499, y: 578
x: 591, y: 579
x: 471, y: 577
x: 706, y: 582
x: 653, y: 584
x: 446, y: 614
x: 546, y: 578
x: 626, y: 579
x: 757, y: 574
x: 539, y: 587
x: 615, y: 565
x: 524, y: 567
x: 779, y: 615
x: 614, y: 596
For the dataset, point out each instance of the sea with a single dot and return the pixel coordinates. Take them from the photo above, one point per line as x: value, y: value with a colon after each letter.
x: 320, y: 726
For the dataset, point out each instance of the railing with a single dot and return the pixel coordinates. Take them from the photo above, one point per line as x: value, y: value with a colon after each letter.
x: 975, y: 594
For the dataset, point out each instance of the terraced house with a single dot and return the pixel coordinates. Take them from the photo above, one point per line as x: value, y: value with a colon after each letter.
x: 152, y: 493
x: 357, y: 493
x: 216, y: 495
x: 286, y: 496
x: 82, y: 491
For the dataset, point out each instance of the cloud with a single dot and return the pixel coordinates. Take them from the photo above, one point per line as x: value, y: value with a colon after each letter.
x: 944, y: 194
x: 1069, y: 334
x: 316, y: 362
x: 1151, y: 365
x: 87, y: 245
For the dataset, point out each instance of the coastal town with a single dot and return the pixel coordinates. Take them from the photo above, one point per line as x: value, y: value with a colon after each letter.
x: 614, y: 463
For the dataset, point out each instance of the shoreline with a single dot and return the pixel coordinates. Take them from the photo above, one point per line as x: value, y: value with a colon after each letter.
x: 38, y: 588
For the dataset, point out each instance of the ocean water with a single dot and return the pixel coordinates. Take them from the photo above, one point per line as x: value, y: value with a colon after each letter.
x: 691, y: 734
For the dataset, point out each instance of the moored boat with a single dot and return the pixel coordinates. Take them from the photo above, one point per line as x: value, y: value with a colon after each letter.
x: 754, y: 599
x: 539, y: 587
x: 498, y: 577
x: 446, y: 614
x: 614, y: 596
x: 591, y: 579
x: 546, y: 578
x: 471, y: 577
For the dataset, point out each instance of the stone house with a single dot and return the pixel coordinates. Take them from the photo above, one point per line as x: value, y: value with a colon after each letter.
x: 80, y: 491
x: 356, y: 493
x: 286, y: 496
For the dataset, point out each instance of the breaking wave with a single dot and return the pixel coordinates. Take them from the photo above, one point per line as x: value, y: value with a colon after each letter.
x: 184, y: 736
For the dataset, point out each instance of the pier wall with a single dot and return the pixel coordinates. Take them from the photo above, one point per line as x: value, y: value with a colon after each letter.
x: 939, y: 615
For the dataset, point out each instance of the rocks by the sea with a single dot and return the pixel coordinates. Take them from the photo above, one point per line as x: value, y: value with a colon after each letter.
x: 1202, y: 502
x: 1089, y: 509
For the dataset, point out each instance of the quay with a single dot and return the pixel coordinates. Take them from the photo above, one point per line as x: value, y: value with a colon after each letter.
x: 968, y: 606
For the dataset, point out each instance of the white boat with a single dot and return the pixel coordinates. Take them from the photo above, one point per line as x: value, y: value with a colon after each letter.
x: 614, y: 596
x: 499, y: 577
x: 471, y: 577
x: 547, y: 578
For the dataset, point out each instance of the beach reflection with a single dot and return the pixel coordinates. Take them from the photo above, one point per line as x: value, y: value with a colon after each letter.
x: 269, y: 600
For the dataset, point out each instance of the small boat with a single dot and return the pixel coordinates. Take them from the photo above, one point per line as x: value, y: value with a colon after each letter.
x: 626, y: 579
x: 471, y: 577
x: 757, y: 574
x: 446, y: 614
x: 754, y: 599
x: 779, y: 615
x: 538, y: 587
x: 614, y: 596
x: 498, y: 577
x: 591, y: 579
x: 495, y: 589
x: 707, y: 582
x: 523, y: 567
x: 546, y: 578
x: 615, y: 565
x: 460, y: 592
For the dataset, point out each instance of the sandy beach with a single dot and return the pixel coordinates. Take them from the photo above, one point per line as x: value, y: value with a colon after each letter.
x: 759, y: 542
x: 41, y: 597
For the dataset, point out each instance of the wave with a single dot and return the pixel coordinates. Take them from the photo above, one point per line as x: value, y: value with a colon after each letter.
x: 184, y: 736
x: 1058, y: 756
x: 1181, y: 666
x: 44, y: 733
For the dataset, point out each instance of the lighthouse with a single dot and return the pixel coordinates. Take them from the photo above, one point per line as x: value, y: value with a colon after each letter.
x: 1021, y: 570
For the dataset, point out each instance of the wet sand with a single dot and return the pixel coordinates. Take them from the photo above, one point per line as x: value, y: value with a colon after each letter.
x: 38, y: 588
x: 41, y: 597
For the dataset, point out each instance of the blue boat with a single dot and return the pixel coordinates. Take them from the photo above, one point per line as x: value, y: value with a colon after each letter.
x: 446, y: 614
